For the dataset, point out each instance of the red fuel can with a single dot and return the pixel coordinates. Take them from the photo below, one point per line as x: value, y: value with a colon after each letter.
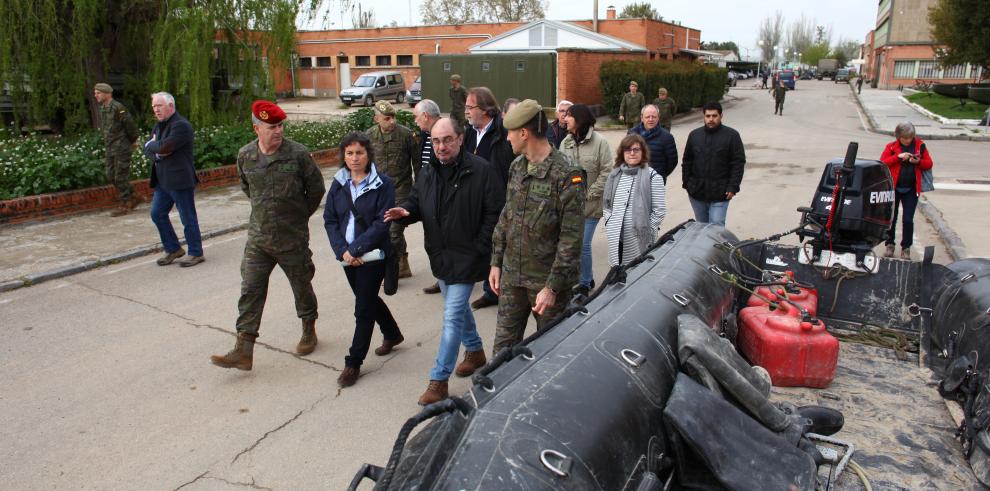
x: 805, y: 297
x: 796, y: 353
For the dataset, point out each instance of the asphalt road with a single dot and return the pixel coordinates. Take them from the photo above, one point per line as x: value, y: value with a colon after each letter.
x: 106, y: 380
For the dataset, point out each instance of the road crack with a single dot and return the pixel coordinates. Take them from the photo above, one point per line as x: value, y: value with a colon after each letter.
x: 252, y: 484
x: 201, y: 476
x: 277, y: 429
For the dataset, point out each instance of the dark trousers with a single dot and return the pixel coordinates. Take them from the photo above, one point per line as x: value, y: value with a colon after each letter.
x: 369, y: 308
x: 778, y: 106
x: 909, y: 202
x: 185, y: 200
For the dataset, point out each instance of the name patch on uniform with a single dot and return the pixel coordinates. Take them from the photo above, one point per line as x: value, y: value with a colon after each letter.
x: 286, y: 168
x: 577, y: 180
x: 540, y: 189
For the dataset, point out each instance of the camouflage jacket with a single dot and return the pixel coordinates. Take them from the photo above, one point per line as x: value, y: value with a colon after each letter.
x: 285, y: 189
x: 631, y: 106
x: 668, y: 109
x: 458, y: 97
x: 118, y: 129
x: 396, y: 155
x: 537, y: 241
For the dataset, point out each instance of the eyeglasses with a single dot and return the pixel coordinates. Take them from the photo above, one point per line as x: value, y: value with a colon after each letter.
x: 633, y: 150
x: 446, y: 141
x: 468, y: 106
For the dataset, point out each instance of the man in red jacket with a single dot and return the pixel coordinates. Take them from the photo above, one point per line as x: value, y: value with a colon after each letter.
x: 906, y: 157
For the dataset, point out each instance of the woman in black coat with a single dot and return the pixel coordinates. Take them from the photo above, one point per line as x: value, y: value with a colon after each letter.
x: 359, y: 187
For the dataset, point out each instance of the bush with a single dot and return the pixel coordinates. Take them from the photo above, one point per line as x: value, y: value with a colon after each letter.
x: 688, y: 83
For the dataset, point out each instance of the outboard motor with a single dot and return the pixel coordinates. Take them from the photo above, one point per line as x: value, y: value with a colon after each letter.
x: 851, y: 211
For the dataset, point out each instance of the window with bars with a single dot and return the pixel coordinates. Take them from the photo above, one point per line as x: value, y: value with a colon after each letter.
x: 974, y: 72
x: 927, y: 69
x: 404, y: 60
x: 306, y: 62
x: 383, y: 60
x: 362, y: 60
x: 904, y: 68
x: 954, y: 71
x: 323, y: 61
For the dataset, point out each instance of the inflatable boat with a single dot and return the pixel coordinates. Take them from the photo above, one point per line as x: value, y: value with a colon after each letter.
x: 650, y: 383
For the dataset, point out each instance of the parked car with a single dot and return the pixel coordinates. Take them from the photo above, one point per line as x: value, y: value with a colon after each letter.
x: 375, y: 86
x: 787, y: 78
x: 415, y: 92
x: 842, y: 75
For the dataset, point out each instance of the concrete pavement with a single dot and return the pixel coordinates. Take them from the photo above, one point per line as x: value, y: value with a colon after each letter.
x: 884, y: 109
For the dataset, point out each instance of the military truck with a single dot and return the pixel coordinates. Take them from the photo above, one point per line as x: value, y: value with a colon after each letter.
x: 827, y: 68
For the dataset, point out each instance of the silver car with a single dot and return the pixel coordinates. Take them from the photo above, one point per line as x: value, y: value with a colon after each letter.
x: 375, y: 86
x: 415, y: 92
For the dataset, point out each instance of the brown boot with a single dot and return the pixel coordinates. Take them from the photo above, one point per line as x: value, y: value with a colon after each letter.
x: 134, y: 201
x: 307, y: 343
x: 436, y: 391
x: 473, y: 360
x: 906, y: 253
x: 404, y: 271
x: 241, y: 357
x: 889, y: 251
x: 348, y: 377
x: 121, y: 210
x: 388, y: 344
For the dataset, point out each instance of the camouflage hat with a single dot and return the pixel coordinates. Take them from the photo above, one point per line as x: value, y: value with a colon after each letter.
x: 521, y: 114
x: 633, y: 82
x: 385, y: 108
x: 455, y: 77
x: 102, y: 87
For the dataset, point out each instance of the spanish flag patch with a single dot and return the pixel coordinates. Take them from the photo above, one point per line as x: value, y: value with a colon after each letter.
x: 577, y: 180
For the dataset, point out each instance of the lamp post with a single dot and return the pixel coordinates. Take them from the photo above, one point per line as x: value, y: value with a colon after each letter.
x: 760, y: 60
x: 776, y: 64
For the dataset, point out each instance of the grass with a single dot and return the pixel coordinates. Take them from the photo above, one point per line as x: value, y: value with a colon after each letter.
x: 948, y: 107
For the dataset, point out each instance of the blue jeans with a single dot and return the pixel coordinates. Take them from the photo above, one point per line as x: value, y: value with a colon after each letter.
x: 587, y: 275
x: 710, y: 212
x: 184, y: 200
x: 458, y: 328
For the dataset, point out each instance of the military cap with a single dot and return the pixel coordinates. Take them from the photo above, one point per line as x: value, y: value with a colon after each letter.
x: 633, y: 82
x: 455, y: 77
x: 102, y: 87
x: 521, y: 114
x: 268, y: 112
x: 385, y: 108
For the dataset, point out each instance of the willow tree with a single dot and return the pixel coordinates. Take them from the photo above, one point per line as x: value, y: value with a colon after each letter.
x: 53, y: 51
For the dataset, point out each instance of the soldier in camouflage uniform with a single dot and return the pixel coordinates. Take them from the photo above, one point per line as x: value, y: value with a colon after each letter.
x: 667, y: 107
x: 458, y: 98
x: 631, y: 105
x: 537, y: 242
x: 120, y: 136
x: 285, y: 188
x: 397, y: 156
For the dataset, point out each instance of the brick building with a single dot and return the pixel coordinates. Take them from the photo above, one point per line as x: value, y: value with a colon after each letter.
x: 329, y: 61
x: 900, y: 50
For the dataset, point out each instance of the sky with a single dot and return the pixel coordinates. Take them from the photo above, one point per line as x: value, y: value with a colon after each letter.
x: 718, y: 20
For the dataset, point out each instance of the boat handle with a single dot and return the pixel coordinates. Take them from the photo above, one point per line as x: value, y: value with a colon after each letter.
x: 523, y: 351
x: 632, y: 358
x: 715, y: 269
x: 967, y: 278
x: 561, y: 470
x: 484, y: 382
x: 681, y: 299
x: 914, y: 310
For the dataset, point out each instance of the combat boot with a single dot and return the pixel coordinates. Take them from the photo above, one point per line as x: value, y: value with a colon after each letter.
x: 404, y: 271
x: 436, y: 391
x: 134, y: 201
x: 889, y: 251
x: 241, y: 357
x: 307, y: 343
x: 473, y: 360
x: 906, y: 253
x: 121, y: 210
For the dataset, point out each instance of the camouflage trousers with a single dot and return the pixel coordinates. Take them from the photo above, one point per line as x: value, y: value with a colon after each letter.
x: 256, y: 268
x: 396, y: 230
x: 515, y: 304
x: 118, y: 171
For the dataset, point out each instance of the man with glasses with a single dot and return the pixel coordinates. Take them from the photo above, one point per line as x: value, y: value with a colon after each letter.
x: 663, y: 148
x: 558, y: 129
x: 458, y: 197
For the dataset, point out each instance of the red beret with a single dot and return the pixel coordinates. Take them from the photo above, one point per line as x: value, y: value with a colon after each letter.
x: 268, y: 112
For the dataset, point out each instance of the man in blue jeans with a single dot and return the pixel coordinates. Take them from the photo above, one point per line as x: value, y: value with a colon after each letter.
x: 712, y: 167
x: 173, y: 177
x: 458, y: 197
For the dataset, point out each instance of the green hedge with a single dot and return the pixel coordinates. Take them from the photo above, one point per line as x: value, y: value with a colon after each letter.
x: 39, y: 164
x: 688, y: 83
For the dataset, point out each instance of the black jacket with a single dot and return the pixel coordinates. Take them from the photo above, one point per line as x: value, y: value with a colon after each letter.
x: 556, y: 134
x: 713, y: 163
x: 663, y: 148
x: 457, y: 232
x: 494, y: 147
x: 171, y: 154
x: 371, y: 231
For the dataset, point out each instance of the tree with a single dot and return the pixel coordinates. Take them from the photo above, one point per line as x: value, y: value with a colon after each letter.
x: 362, y: 19
x: 814, y: 53
x: 845, y: 50
x: 722, y: 46
x: 771, y: 32
x: 800, y: 36
x: 436, y: 12
x: 963, y: 27
x: 53, y: 51
x: 639, y: 11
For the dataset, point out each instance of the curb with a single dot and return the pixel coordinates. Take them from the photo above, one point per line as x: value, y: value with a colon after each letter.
x: 873, y: 125
x: 954, y: 244
x: 54, y: 274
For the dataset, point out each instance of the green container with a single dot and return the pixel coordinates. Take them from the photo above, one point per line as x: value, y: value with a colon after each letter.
x: 518, y: 75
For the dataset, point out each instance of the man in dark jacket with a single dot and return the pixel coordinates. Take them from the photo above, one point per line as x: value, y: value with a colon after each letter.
x: 663, y: 148
x: 558, y: 128
x: 488, y: 139
x: 458, y: 198
x: 427, y: 114
x: 173, y: 177
x: 712, y: 167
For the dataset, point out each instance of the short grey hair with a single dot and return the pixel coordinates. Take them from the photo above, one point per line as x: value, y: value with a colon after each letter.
x: 648, y: 106
x: 904, y: 128
x: 255, y: 121
x: 428, y: 107
x: 564, y: 102
x: 165, y: 95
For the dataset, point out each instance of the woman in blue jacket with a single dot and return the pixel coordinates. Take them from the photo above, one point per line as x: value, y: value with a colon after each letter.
x: 354, y: 219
